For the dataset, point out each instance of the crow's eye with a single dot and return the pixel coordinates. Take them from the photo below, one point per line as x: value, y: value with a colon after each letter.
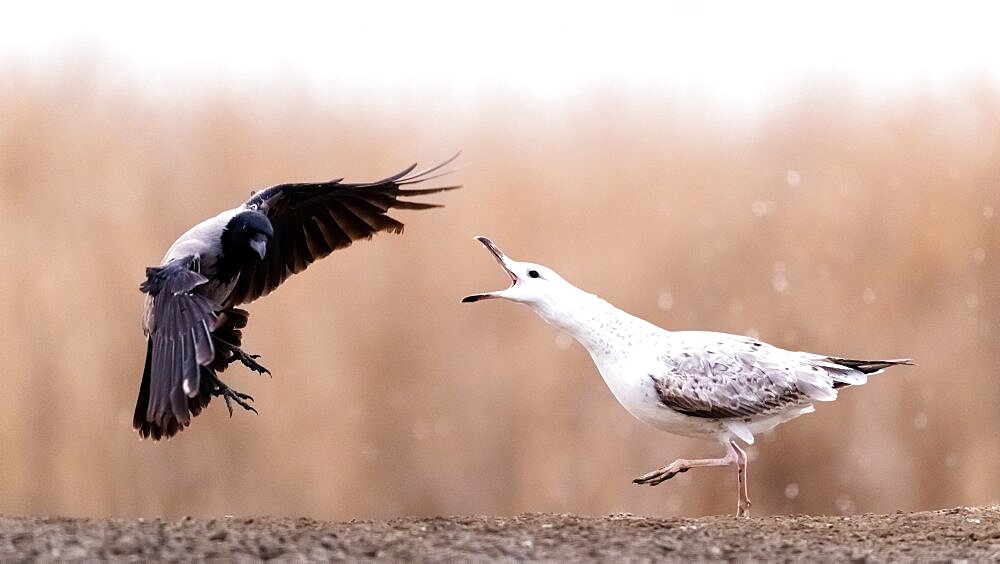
x: 534, y: 274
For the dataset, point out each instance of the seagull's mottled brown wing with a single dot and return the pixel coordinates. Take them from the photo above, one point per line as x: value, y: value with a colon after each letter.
x: 726, y: 384
x: 312, y: 220
x: 718, y: 376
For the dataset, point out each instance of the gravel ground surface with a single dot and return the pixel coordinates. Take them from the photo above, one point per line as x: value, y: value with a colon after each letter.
x: 946, y: 534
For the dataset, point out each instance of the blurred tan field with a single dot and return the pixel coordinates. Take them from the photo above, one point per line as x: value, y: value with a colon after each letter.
x: 862, y: 226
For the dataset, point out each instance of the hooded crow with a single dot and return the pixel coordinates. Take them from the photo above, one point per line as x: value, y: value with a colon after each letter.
x: 191, y: 320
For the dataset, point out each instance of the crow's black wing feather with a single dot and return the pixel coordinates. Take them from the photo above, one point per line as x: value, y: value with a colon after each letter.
x: 312, y: 220
x: 180, y: 345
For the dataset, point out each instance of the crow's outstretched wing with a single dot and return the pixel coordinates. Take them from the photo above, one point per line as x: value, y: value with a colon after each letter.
x: 179, y: 345
x: 312, y: 220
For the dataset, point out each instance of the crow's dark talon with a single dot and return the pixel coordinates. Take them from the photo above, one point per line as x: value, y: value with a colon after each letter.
x: 231, y: 395
x: 252, y: 364
x: 241, y: 395
x: 247, y: 359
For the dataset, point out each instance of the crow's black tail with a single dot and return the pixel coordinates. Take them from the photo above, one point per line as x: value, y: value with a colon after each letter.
x: 226, y: 334
x: 139, y: 422
x: 169, y: 426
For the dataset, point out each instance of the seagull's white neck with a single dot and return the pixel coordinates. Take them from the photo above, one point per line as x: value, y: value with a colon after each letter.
x: 600, y: 327
x: 619, y: 343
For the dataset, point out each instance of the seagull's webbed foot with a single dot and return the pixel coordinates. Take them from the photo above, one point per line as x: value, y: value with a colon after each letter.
x: 661, y: 475
x: 231, y: 395
x: 248, y: 360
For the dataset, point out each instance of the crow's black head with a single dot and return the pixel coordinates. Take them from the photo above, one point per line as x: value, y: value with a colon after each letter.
x: 246, y: 236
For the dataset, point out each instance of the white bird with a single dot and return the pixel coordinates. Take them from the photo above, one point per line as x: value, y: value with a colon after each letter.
x: 701, y: 384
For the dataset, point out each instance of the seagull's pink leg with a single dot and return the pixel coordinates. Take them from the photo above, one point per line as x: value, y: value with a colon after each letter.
x: 743, y: 506
x: 734, y: 456
x: 683, y: 465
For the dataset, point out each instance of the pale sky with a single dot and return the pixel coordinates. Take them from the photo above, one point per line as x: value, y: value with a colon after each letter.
x: 737, y: 52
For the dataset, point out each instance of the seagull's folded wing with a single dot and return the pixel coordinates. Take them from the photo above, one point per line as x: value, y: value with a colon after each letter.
x: 743, y: 379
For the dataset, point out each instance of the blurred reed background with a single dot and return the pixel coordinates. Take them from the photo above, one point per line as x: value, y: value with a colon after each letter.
x: 834, y: 222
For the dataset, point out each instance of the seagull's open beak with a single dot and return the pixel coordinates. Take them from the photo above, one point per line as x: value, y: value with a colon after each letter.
x: 504, y: 261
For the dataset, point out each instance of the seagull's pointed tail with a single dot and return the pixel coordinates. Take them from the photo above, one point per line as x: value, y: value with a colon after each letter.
x: 870, y: 366
x: 867, y: 367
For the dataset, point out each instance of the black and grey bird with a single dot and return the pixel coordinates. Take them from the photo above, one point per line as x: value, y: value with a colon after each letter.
x: 191, y: 320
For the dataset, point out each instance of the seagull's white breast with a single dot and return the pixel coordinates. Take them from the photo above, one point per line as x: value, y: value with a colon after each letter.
x: 626, y: 350
x: 630, y: 382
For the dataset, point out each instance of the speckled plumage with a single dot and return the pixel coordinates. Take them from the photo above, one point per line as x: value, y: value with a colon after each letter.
x: 699, y: 384
x: 735, y: 379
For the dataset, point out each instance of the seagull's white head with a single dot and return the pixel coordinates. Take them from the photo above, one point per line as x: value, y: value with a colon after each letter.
x: 531, y: 284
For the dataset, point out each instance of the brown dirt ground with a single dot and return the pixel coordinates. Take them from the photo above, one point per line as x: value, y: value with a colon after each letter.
x: 946, y: 534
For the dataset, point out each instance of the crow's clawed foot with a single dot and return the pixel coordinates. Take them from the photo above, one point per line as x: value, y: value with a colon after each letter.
x: 743, y: 508
x: 657, y: 477
x: 231, y: 395
x: 248, y: 360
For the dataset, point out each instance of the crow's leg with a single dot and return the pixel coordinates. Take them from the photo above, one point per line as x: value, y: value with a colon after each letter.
x: 231, y: 395
x: 661, y: 475
x: 248, y: 360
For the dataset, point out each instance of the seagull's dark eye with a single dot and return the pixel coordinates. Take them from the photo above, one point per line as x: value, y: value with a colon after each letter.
x: 534, y: 274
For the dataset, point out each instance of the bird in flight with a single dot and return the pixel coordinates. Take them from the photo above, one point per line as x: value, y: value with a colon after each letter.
x: 701, y: 384
x: 191, y: 320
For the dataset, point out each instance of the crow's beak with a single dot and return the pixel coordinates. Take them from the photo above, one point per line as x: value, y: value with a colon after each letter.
x: 259, y: 244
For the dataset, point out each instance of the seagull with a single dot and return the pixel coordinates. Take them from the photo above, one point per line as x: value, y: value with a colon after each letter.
x: 192, y: 324
x: 700, y: 384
